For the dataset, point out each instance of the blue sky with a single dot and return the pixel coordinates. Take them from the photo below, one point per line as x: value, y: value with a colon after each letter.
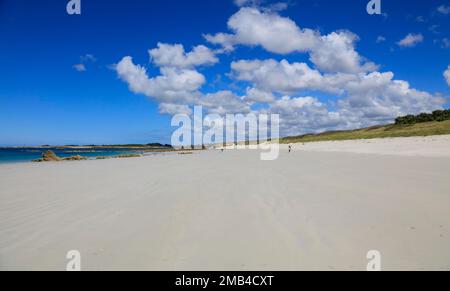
x: 44, y: 99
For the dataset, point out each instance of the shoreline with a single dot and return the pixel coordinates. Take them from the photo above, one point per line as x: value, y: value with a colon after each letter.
x: 27, y: 155
x: 426, y: 146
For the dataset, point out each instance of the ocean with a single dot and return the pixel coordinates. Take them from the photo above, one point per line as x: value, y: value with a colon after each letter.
x: 19, y: 155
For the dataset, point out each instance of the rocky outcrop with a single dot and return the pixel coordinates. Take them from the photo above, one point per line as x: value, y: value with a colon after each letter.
x: 50, y: 156
x: 128, y: 156
x: 103, y: 158
x: 75, y: 158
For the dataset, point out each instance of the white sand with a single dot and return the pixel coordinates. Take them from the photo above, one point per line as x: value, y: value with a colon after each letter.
x: 431, y: 146
x: 309, y: 210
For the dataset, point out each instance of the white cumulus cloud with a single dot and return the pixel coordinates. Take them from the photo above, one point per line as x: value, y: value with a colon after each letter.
x: 287, y: 78
x: 447, y: 75
x: 411, y: 40
x: 173, y: 109
x: 80, y: 67
x: 351, y: 91
x: 252, y: 27
x: 305, y: 115
x: 176, y: 89
x: 224, y: 102
x: 378, y: 97
x: 444, y: 9
x: 168, y: 55
x: 173, y: 86
x: 254, y: 95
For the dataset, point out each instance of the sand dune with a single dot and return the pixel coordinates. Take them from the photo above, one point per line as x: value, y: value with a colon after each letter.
x: 308, y: 210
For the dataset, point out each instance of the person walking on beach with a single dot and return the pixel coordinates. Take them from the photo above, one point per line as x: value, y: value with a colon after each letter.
x: 290, y: 148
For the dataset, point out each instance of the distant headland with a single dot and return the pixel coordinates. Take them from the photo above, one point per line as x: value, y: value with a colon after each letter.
x: 150, y: 146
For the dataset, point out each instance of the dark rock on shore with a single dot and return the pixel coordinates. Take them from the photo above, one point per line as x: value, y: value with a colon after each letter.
x: 75, y: 158
x: 128, y: 156
x: 50, y: 156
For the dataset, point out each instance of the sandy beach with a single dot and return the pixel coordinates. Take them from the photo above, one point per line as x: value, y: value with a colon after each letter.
x: 322, y: 207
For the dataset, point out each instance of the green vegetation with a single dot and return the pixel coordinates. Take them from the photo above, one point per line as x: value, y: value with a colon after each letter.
x: 393, y: 130
x: 438, y: 115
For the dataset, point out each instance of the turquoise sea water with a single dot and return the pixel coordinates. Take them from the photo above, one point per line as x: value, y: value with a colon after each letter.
x: 26, y: 155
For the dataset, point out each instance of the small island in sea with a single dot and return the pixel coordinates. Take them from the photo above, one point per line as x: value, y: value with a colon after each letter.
x: 150, y: 146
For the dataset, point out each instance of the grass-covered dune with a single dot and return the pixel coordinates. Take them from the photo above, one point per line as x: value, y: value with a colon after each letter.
x: 392, y: 130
